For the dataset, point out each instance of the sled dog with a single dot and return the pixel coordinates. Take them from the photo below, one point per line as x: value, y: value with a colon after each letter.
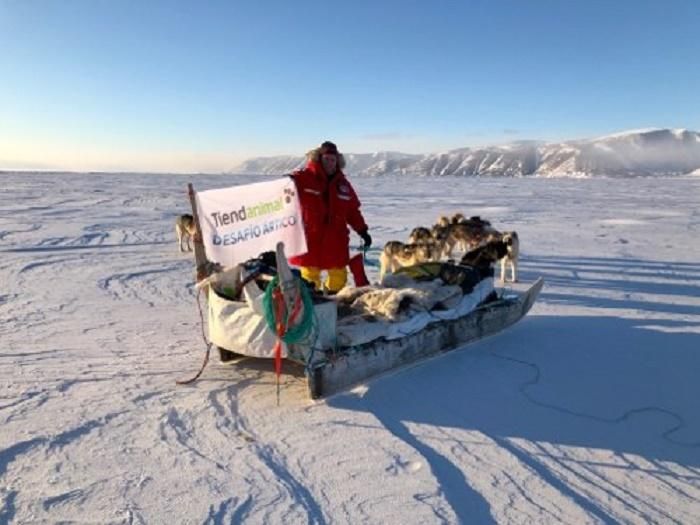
x: 458, y: 218
x: 467, y: 235
x: 439, y: 229
x: 442, y: 222
x: 185, y: 230
x: 513, y: 244
x: 420, y: 234
x: 396, y: 255
x: 485, y: 255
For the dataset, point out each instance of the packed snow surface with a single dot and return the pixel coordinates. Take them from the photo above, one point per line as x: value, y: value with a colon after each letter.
x: 586, y: 411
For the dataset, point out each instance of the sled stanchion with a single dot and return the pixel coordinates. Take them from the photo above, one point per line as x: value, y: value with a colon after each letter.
x: 314, y: 381
x: 202, y: 271
x: 200, y: 255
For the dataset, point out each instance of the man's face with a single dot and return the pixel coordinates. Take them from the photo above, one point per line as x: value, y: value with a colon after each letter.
x: 330, y: 163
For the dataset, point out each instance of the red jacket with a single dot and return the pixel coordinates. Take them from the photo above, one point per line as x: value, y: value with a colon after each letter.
x: 328, y: 206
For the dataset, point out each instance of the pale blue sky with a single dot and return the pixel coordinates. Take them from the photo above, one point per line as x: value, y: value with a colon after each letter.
x: 200, y: 86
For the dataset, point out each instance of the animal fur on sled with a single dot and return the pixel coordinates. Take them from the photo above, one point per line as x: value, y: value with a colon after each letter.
x: 400, y: 298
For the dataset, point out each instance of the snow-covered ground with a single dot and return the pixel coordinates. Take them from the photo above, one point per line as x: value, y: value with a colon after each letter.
x: 585, y: 411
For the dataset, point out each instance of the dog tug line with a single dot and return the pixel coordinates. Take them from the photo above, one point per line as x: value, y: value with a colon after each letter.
x: 335, y: 349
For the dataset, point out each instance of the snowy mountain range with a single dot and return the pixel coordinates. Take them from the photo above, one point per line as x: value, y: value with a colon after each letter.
x: 631, y: 153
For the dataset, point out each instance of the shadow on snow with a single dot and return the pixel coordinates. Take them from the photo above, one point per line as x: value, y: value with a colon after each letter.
x: 597, y: 382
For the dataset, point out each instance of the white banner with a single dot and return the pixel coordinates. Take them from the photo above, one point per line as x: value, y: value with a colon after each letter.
x: 241, y: 222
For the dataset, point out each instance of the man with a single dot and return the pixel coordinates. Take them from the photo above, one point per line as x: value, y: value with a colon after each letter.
x: 328, y: 205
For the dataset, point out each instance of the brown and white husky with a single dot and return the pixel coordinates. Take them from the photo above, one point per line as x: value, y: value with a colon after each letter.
x: 396, y: 255
x: 185, y: 229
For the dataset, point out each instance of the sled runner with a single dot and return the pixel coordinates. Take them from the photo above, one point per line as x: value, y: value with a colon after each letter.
x: 336, y: 370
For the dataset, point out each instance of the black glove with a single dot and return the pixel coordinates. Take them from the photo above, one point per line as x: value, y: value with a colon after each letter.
x: 366, y: 238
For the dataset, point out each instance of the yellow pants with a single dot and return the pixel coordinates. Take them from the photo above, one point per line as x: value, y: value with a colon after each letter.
x: 337, y: 277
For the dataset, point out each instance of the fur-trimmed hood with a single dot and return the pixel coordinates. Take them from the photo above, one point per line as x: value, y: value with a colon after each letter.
x: 315, y: 156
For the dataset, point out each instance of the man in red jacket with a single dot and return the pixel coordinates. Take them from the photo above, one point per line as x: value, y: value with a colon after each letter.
x: 328, y: 205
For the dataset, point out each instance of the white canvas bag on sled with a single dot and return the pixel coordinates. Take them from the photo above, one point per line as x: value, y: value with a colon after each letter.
x: 240, y: 326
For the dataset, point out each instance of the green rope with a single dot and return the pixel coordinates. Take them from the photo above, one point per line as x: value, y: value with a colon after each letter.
x: 305, y: 331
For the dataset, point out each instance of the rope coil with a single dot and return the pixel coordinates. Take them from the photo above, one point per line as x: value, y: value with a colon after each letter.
x: 276, y: 314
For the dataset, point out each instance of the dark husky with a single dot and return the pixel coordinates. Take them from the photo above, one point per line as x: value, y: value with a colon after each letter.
x: 466, y: 235
x: 458, y: 218
x: 485, y: 255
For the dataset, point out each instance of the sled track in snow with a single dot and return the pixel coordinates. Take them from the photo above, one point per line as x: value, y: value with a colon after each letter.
x: 151, y: 286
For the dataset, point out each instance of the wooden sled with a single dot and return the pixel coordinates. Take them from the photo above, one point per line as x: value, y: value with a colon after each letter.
x: 333, y: 370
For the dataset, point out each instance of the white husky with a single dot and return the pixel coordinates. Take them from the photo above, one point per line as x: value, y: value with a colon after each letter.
x: 511, y: 240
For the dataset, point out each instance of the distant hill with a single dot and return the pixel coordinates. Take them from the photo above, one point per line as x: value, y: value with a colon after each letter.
x: 631, y: 153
